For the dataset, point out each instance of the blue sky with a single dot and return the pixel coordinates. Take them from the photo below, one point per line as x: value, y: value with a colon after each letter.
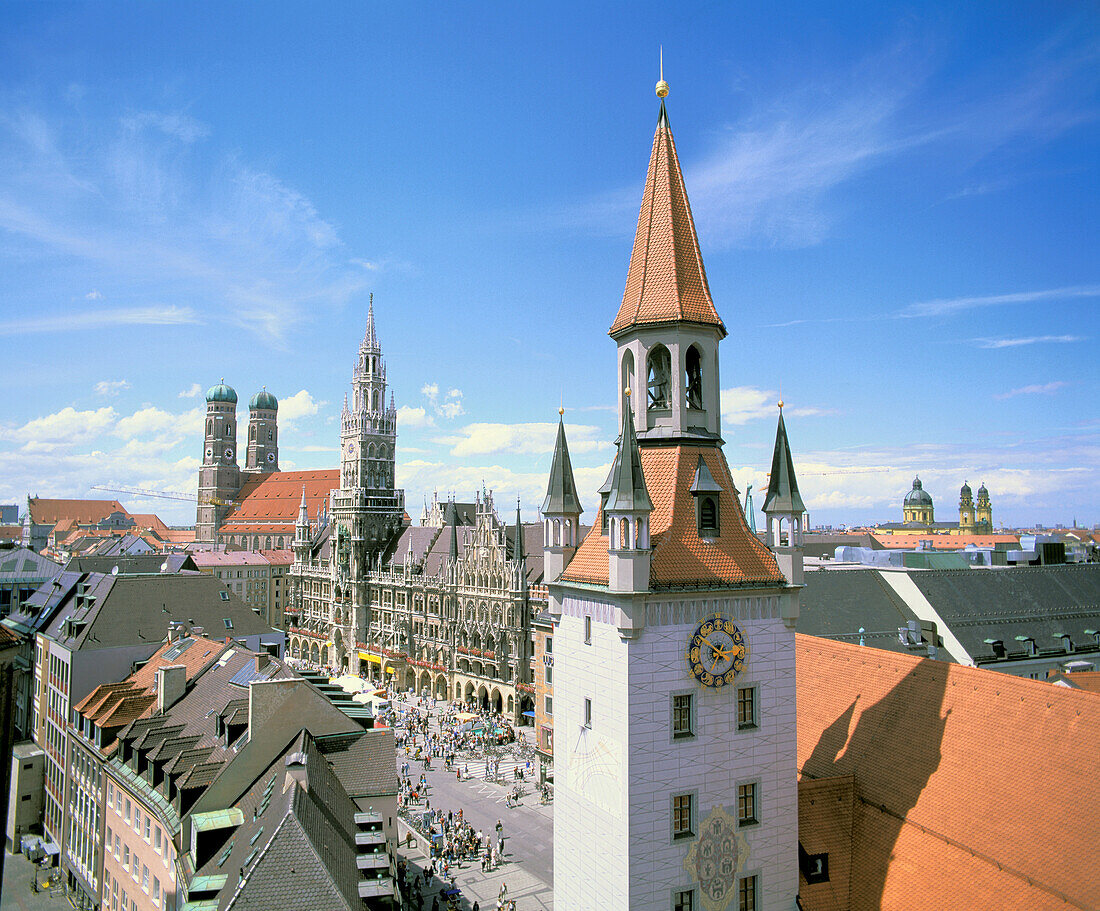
x: 897, y: 206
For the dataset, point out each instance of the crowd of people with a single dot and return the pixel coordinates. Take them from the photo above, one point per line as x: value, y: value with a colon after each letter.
x: 454, y: 735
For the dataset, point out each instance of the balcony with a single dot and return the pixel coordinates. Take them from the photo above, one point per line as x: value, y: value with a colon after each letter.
x: 370, y: 839
x: 375, y: 887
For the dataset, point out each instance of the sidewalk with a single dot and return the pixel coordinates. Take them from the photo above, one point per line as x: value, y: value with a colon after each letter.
x: 529, y: 892
x: 17, y: 893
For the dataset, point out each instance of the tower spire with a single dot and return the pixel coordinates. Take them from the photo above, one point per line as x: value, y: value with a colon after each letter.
x: 666, y: 280
x: 370, y: 340
x: 561, y: 490
x: 783, y: 499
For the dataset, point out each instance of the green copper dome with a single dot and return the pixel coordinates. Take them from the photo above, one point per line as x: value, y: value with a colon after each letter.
x: 263, y: 401
x: 221, y: 393
x: 918, y: 496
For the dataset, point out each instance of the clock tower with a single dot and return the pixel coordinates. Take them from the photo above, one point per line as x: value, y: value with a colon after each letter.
x: 367, y: 509
x: 674, y: 697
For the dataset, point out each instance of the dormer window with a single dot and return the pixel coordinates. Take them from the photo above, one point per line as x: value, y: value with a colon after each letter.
x: 705, y: 491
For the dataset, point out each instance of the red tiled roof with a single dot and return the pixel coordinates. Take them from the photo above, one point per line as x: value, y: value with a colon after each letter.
x: 269, y: 503
x: 944, y: 542
x: 973, y: 788
x: 7, y: 637
x: 50, y: 512
x: 666, y: 280
x: 679, y: 556
x: 11, y: 532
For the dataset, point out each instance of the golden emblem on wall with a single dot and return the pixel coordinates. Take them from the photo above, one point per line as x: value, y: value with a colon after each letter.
x: 715, y: 859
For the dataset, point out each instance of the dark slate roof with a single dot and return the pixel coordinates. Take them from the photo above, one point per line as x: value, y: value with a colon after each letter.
x: 561, y: 489
x: 1040, y: 602
x: 129, y: 610
x: 363, y: 761
x: 413, y: 542
x: 836, y: 603
x: 295, y: 841
x: 628, y: 491
x: 22, y: 563
x: 783, y: 495
x: 136, y: 563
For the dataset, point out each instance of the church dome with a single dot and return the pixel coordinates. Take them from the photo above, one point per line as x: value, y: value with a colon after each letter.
x: 965, y: 491
x: 263, y: 401
x: 221, y: 393
x: 918, y: 496
x: 982, y: 492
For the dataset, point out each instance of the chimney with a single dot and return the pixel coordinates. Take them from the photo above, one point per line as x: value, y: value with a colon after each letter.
x: 263, y: 659
x: 197, y: 631
x: 171, y: 683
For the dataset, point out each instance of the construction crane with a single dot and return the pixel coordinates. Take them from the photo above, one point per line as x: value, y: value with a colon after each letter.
x: 166, y: 495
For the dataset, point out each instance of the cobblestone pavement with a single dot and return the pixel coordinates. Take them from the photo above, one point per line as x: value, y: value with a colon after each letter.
x: 18, y: 894
x: 528, y: 867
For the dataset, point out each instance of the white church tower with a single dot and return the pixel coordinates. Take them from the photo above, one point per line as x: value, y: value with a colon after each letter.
x: 674, y: 698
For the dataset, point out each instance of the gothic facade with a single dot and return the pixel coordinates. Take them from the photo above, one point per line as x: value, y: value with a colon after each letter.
x: 442, y: 607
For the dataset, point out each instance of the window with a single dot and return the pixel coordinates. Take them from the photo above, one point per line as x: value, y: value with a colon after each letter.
x: 683, y: 815
x: 746, y: 708
x: 109, y: 839
x: 588, y: 630
x: 126, y: 856
x: 144, y: 877
x: 683, y: 724
x: 156, y: 889
x: 156, y: 839
x: 588, y: 713
x: 549, y: 645
x: 549, y: 705
x: 127, y: 810
x: 549, y: 675
x: 684, y: 901
x: 148, y: 826
x: 746, y: 894
x: 708, y: 515
x: 110, y: 794
x: 746, y: 804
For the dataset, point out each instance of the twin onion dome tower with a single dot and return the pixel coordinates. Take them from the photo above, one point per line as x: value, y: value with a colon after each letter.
x: 673, y: 643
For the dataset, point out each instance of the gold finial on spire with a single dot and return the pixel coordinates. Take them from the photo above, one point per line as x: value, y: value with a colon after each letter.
x: 561, y: 411
x: 662, y: 86
x: 780, y: 404
x: 627, y: 391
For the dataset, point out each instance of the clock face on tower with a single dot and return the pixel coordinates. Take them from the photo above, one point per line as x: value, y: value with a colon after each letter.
x: 229, y: 453
x: 717, y: 652
x: 271, y: 457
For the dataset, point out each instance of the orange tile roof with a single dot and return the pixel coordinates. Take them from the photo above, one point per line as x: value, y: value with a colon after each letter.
x: 944, y: 542
x: 50, y: 512
x: 666, y: 280
x: 114, y: 705
x: 679, y: 556
x: 270, y: 502
x: 973, y: 789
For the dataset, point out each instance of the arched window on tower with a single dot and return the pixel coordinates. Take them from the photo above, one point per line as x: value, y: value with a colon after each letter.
x: 693, y: 377
x: 271, y: 436
x: 659, y: 382
x: 626, y: 377
x: 252, y: 433
x: 374, y: 399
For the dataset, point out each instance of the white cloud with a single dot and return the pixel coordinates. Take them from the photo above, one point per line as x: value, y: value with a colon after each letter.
x: 521, y: 439
x: 176, y: 125
x: 67, y: 427
x: 1026, y: 340
x: 413, y: 417
x: 1034, y: 389
x: 949, y: 305
x: 741, y: 404
x: 110, y: 387
x: 449, y: 406
x: 233, y: 242
x: 300, y: 405
x: 93, y: 295
x: 151, y: 421
x: 193, y: 390
x: 98, y: 319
